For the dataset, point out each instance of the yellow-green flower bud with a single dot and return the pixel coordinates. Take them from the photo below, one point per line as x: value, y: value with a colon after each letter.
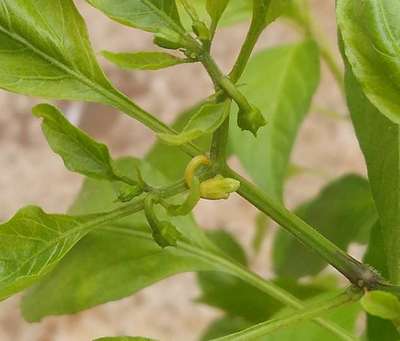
x: 218, y: 188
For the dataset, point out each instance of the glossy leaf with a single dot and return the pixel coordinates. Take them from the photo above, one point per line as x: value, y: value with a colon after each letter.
x: 121, y: 257
x: 344, y: 212
x: 371, y: 32
x: 142, y: 60
x: 379, y: 141
x: 281, y: 81
x: 205, y: 121
x: 33, y: 242
x: 382, y: 304
x: 79, y: 151
x: 148, y: 15
x: 45, y: 52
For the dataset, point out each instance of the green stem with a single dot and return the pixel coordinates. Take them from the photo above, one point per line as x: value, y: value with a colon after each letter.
x: 223, y: 82
x: 261, y: 330
x: 189, y: 10
x: 359, y: 274
x: 218, y: 151
x: 220, y: 263
x: 256, y: 28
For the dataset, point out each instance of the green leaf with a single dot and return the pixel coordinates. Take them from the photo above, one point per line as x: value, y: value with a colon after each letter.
x: 344, y: 317
x: 379, y: 141
x: 344, y: 212
x: 215, y: 9
x: 171, y: 160
x: 116, y: 260
x: 382, y: 304
x: 377, y: 328
x: 205, y: 121
x: 281, y: 81
x: 142, y: 60
x: 224, y: 326
x: 124, y: 338
x: 33, y: 242
x: 45, y: 52
x: 148, y: 15
x: 371, y: 33
x: 380, y: 329
x: 79, y: 151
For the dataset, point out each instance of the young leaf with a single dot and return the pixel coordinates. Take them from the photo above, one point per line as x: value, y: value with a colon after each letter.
x: 79, y: 151
x: 205, y: 121
x: 171, y: 160
x: 379, y: 141
x: 148, y: 15
x: 281, y: 81
x: 41, y: 56
x: 382, y: 304
x: 344, y: 212
x: 371, y: 34
x: 142, y: 60
x: 33, y: 242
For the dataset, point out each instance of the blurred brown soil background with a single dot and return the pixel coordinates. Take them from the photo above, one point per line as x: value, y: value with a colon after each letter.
x: 31, y: 173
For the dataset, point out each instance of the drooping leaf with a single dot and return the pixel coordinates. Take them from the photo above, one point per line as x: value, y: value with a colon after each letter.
x: 79, y: 151
x: 148, y: 15
x: 281, y: 81
x: 379, y: 141
x: 381, y: 304
x: 45, y: 52
x: 121, y: 257
x: 371, y: 33
x: 205, y: 121
x: 142, y: 60
x: 224, y: 326
x: 33, y: 242
x: 344, y: 212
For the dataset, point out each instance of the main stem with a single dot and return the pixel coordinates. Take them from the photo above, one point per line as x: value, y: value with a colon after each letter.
x: 359, y: 274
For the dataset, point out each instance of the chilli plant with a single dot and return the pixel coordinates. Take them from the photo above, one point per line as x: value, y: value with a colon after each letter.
x: 132, y: 224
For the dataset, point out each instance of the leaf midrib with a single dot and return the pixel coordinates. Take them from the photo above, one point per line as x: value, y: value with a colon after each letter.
x: 113, y: 98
